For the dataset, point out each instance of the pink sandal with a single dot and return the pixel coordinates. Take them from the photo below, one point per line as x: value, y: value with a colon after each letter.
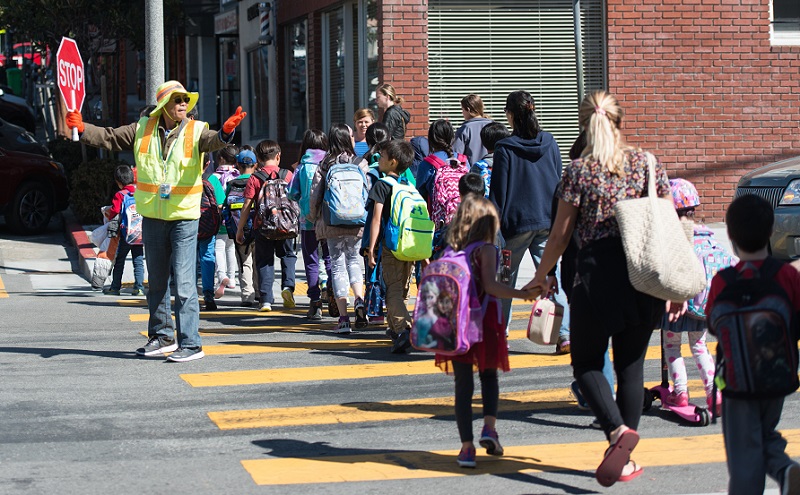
x: 616, y: 457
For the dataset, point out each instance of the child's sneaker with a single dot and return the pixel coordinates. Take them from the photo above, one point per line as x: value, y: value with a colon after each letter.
x: 466, y: 458
x: 377, y: 320
x: 680, y: 399
x: 709, y: 401
x: 576, y: 392
x: 333, y: 308
x: 221, y: 288
x: 265, y: 308
x: 490, y: 441
x: 361, y: 314
x: 344, y: 325
x: 315, y: 311
x: 563, y: 346
x: 288, y: 298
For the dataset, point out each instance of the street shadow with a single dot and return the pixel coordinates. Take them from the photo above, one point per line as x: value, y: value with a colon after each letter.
x: 509, y: 467
x: 48, y: 352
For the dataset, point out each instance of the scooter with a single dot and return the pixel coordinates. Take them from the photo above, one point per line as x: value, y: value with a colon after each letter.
x: 691, y: 413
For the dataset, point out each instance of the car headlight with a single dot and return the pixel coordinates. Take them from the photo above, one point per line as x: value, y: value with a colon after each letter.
x: 791, y: 195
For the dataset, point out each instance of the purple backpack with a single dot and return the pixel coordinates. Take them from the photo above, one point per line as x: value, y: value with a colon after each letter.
x: 448, y: 316
x: 714, y: 258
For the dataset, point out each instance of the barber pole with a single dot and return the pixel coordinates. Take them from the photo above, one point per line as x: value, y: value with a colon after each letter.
x: 263, y: 10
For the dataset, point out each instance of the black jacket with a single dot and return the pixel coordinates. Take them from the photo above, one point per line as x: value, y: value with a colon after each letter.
x: 396, y: 119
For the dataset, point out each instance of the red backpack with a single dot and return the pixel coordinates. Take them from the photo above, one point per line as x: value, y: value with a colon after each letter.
x: 210, y: 218
x: 445, y: 199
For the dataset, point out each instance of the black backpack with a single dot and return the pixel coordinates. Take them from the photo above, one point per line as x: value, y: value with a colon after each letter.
x: 753, y: 319
x: 232, y: 210
x: 277, y: 216
x: 210, y: 218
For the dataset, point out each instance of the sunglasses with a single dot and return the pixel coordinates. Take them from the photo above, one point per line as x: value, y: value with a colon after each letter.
x: 179, y: 99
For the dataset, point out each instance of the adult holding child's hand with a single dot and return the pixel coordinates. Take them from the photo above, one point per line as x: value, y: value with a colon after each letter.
x: 604, y: 303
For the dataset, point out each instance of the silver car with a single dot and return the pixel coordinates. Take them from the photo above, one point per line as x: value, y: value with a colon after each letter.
x: 779, y: 183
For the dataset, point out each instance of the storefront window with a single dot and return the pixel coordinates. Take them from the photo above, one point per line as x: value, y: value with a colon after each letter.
x: 259, y: 92
x: 334, y: 58
x: 371, y: 55
x: 297, y: 112
x: 229, y: 84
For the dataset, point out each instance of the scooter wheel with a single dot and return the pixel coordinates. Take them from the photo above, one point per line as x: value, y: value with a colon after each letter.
x: 649, y: 396
x: 703, y: 416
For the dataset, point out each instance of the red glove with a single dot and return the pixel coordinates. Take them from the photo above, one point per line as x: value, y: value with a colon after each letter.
x: 75, y: 119
x: 233, y: 121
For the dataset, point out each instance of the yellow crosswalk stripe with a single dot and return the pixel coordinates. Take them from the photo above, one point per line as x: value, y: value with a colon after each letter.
x: 362, y: 412
x: 380, y: 465
x: 3, y: 293
x: 373, y: 370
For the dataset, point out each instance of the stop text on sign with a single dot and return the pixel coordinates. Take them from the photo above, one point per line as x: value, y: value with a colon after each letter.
x: 70, y: 75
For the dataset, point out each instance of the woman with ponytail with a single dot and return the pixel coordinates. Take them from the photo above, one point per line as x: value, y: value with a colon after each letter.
x: 605, y: 304
x: 525, y: 173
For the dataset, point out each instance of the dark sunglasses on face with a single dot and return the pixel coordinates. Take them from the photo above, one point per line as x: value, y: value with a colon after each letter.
x: 179, y: 99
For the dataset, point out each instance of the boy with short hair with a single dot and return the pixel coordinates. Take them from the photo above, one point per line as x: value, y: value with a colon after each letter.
x: 396, y: 157
x: 753, y: 446
x: 470, y: 183
x: 123, y: 176
x: 268, y: 154
x: 490, y: 135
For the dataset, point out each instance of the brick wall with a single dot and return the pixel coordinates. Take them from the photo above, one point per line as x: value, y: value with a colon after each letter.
x: 703, y: 88
x: 403, y: 55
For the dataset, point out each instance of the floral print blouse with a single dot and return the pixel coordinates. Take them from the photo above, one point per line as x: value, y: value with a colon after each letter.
x: 594, y: 191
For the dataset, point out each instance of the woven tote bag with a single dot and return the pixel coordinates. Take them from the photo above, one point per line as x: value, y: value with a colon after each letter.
x: 661, y: 260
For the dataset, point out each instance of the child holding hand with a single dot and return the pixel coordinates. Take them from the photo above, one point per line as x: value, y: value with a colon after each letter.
x: 476, y: 221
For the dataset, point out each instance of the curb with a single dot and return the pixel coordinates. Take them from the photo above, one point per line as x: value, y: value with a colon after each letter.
x: 84, y: 246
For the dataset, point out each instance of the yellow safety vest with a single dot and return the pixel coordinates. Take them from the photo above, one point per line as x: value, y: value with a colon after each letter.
x: 182, y: 170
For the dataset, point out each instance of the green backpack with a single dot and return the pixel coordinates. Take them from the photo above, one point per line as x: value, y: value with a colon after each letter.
x: 409, y: 232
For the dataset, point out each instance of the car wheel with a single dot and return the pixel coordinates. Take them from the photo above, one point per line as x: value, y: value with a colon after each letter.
x: 31, y: 210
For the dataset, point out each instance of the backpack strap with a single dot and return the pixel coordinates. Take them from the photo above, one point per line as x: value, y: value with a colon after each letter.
x: 283, y: 173
x: 435, y: 161
x: 770, y: 268
x: 262, y: 176
x: 729, y: 275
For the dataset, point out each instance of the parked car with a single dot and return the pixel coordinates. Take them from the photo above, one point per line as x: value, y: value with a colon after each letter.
x: 15, y: 138
x: 32, y: 189
x: 17, y: 111
x: 779, y: 183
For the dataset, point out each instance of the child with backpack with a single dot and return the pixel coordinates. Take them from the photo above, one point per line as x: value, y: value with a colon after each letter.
x: 437, y: 179
x: 207, y: 228
x: 400, y: 218
x: 124, y: 205
x: 473, y: 231
x: 224, y: 247
x: 232, y: 216
x: 313, y: 148
x: 753, y: 309
x: 490, y: 134
x: 275, y: 224
x: 714, y: 258
x: 338, y: 208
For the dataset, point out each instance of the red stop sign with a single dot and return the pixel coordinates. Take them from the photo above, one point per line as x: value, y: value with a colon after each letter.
x: 71, y: 79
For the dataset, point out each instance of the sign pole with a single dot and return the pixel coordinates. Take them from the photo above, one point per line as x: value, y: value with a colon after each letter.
x: 75, y: 136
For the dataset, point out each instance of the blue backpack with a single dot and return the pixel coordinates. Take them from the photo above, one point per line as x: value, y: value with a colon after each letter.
x: 345, y: 196
x: 130, y: 221
x: 482, y: 168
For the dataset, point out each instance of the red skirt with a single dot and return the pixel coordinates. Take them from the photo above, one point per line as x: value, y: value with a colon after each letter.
x: 492, y: 353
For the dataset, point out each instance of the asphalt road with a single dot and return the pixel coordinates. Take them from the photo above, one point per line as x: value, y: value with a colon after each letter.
x: 283, y: 406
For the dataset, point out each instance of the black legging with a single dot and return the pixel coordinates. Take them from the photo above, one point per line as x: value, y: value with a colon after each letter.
x: 465, y: 387
x: 603, y: 305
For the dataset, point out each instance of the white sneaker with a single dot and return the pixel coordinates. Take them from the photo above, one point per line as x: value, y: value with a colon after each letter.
x: 266, y: 308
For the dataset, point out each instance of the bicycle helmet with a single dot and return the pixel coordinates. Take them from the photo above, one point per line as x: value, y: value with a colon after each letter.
x: 684, y: 194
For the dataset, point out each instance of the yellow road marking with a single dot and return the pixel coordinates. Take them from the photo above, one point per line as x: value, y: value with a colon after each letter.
x: 362, y: 412
x: 375, y: 465
x: 3, y: 293
x: 373, y: 370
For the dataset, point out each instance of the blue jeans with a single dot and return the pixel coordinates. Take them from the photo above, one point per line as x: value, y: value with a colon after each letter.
x: 172, y: 244
x: 137, y: 253
x: 533, y: 242
x: 206, y: 255
x: 266, y: 251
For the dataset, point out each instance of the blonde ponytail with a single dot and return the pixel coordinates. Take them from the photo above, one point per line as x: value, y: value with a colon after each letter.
x: 601, y: 115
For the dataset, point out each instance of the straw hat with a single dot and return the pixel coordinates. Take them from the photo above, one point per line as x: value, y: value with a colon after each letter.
x: 164, y: 93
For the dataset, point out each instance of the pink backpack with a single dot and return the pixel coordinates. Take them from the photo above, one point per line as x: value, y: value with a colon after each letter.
x: 445, y: 198
x: 448, y: 316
